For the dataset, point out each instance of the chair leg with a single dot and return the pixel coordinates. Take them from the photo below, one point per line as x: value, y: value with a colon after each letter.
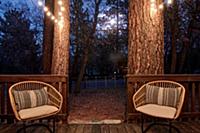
x: 54, y: 124
x: 24, y: 126
x: 36, y: 125
x: 155, y: 123
x: 142, y: 125
x: 170, y: 127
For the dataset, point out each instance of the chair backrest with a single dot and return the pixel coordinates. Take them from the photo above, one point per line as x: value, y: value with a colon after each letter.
x: 162, y: 92
x: 28, y: 94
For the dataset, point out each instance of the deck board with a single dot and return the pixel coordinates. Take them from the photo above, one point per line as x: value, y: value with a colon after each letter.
x: 87, y: 129
x: 96, y: 129
x: 121, y: 128
x: 113, y: 128
x: 130, y: 129
x: 184, y: 127
x: 105, y: 129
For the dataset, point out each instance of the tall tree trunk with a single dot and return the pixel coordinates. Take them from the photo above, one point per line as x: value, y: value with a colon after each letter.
x: 146, y: 39
x: 173, y: 53
x: 48, y: 39
x: 186, y: 48
x: 184, y: 52
x: 174, y: 34
x: 60, y: 61
x: 87, y: 48
x: 145, y: 43
x: 82, y: 70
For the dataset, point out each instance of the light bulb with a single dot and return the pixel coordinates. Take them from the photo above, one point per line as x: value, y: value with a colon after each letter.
x: 152, y: 1
x: 52, y: 17
x: 60, y: 23
x: 161, y: 6
x: 169, y: 2
x: 153, y: 5
x: 59, y: 2
x: 60, y: 13
x: 48, y: 13
x: 62, y: 18
x: 46, y: 9
x: 56, y: 21
x: 62, y: 8
x: 40, y: 3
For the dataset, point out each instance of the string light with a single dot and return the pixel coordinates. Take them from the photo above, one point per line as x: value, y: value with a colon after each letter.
x: 60, y: 13
x: 60, y: 19
x: 52, y: 17
x: 62, y: 8
x: 60, y: 23
x: 154, y: 8
x: 60, y: 2
x: 40, y: 3
x: 48, y: 13
x: 161, y: 6
x: 46, y: 9
x: 169, y: 2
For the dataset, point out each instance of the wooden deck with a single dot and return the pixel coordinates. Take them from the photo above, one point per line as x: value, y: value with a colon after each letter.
x: 184, y: 127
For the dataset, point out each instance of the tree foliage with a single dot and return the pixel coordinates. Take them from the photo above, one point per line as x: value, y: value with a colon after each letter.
x: 19, y: 52
x: 182, y: 38
x: 110, y: 38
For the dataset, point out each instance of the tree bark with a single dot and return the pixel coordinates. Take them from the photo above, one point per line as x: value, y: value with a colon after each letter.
x: 146, y: 39
x: 48, y: 39
x: 60, y: 59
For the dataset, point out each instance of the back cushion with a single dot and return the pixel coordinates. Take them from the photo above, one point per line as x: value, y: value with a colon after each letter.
x: 30, y: 98
x: 152, y: 94
x: 162, y: 96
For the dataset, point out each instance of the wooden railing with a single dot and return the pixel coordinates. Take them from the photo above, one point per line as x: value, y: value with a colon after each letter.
x: 60, y: 82
x: 191, y: 107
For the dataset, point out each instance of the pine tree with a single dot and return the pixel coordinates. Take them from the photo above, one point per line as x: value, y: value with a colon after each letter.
x: 18, y: 47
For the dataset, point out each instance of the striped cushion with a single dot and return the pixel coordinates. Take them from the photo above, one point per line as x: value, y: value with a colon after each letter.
x: 169, y: 96
x: 30, y: 98
x: 152, y: 94
x: 162, y: 96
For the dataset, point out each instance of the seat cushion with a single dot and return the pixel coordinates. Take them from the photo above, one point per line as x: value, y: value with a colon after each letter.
x: 157, y: 110
x: 37, y: 111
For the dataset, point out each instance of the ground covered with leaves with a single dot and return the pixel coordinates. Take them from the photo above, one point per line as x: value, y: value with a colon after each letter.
x: 97, y: 106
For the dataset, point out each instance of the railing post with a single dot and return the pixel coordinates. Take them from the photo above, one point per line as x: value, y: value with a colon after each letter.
x: 115, y: 80
x: 105, y: 81
x: 86, y: 82
x: 2, y: 100
x: 9, y: 108
x: 95, y: 82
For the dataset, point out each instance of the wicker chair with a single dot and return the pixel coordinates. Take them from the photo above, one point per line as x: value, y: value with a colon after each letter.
x: 160, y: 99
x: 34, y: 100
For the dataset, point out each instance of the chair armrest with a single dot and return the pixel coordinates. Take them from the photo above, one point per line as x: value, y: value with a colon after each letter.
x: 55, y: 98
x: 139, y: 97
x: 180, y: 103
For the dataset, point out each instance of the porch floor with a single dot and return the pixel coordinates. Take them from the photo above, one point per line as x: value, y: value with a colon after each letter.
x: 184, y: 127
